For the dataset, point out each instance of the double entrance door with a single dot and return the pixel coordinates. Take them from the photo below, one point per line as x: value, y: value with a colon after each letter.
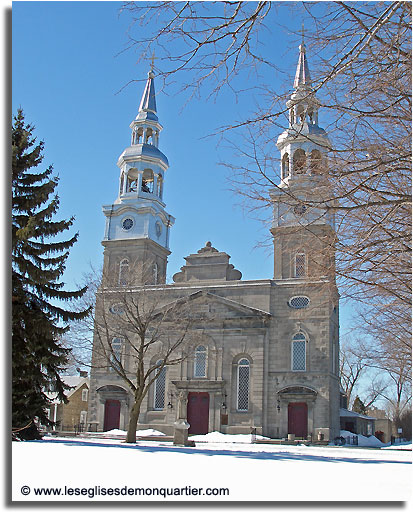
x: 198, y: 412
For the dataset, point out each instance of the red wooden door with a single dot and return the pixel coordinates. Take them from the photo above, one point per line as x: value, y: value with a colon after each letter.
x: 198, y: 412
x: 297, y: 419
x: 112, y: 415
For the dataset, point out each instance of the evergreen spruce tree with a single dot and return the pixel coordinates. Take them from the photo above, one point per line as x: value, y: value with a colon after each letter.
x: 38, y: 263
x: 358, y: 406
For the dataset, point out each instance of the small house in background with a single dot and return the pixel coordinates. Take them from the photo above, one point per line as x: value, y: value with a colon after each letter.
x: 355, y: 422
x: 71, y: 416
x: 384, y: 427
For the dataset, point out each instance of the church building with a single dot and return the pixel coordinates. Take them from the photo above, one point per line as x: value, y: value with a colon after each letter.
x: 267, y: 354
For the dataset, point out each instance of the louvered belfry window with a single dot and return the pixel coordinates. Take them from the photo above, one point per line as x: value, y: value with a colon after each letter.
x: 159, y: 390
x: 298, y: 352
x: 200, y: 362
x: 243, y: 382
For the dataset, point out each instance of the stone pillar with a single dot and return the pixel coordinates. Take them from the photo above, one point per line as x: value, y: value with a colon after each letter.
x: 181, y: 425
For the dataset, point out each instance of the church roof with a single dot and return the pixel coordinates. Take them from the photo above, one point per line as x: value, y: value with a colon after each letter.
x: 209, y: 297
x: 145, y: 150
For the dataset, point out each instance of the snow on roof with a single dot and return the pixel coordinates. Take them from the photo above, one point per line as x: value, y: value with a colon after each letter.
x: 348, y: 413
x: 72, y: 381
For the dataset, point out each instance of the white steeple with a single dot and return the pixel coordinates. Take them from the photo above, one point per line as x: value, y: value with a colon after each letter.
x: 304, y: 144
x: 138, y: 212
x: 303, y: 196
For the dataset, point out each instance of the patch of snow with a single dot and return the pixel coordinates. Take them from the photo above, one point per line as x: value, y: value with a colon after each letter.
x: 217, y: 437
x: 363, y: 441
x: 141, y: 432
x: 250, y: 472
x: 149, y: 432
x: 115, y: 432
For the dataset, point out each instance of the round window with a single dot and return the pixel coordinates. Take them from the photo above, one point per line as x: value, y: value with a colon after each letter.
x: 116, y: 309
x: 127, y: 223
x: 299, y: 302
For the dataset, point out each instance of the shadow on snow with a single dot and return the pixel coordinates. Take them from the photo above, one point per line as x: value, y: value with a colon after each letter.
x: 222, y: 452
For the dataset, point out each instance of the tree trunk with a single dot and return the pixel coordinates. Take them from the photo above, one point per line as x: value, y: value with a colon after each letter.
x: 133, y: 421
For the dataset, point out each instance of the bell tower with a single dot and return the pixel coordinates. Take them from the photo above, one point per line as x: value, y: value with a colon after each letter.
x: 303, y: 222
x: 137, y: 229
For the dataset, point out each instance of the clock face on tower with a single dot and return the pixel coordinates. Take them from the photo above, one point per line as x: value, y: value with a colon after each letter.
x: 127, y: 223
x: 300, y: 209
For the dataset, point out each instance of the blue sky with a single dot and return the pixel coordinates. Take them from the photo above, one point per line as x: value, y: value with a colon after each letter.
x: 72, y: 80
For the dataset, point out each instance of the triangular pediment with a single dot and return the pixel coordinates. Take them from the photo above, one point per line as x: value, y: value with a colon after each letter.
x: 211, y: 306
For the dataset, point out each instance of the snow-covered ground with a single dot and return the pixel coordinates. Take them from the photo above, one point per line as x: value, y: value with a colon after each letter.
x: 149, y: 471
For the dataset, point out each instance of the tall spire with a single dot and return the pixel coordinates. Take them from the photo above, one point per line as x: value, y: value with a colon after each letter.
x: 147, y: 107
x: 302, y: 75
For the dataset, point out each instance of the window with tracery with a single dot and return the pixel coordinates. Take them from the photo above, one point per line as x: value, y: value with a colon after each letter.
x: 299, y: 265
x: 159, y: 389
x: 200, y: 362
x: 298, y: 352
x: 243, y: 384
x: 115, y: 353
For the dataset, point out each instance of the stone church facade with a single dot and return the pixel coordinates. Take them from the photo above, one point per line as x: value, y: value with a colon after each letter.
x: 267, y: 354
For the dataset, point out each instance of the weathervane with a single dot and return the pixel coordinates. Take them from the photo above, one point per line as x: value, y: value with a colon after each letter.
x: 302, y: 33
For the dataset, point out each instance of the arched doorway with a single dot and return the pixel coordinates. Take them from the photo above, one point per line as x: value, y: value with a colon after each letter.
x: 114, y: 406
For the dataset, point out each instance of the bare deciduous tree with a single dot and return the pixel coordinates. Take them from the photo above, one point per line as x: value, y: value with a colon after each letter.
x: 361, y: 71
x: 131, y: 325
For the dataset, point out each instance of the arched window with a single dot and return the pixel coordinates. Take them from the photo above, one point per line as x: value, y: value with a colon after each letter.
x: 298, y: 356
x: 122, y: 178
x: 159, y: 186
x: 299, y: 162
x: 124, y: 272
x: 300, y: 265
x: 147, y: 181
x: 243, y: 384
x: 315, y: 162
x: 159, y: 389
x: 148, y: 136
x: 292, y: 116
x: 285, y: 166
x: 200, y: 362
x: 115, y: 353
x: 300, y: 113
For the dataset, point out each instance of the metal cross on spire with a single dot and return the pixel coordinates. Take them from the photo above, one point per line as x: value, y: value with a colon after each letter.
x: 153, y: 58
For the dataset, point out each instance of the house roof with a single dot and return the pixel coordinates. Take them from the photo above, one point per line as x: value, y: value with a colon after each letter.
x: 72, y: 381
x: 348, y: 413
